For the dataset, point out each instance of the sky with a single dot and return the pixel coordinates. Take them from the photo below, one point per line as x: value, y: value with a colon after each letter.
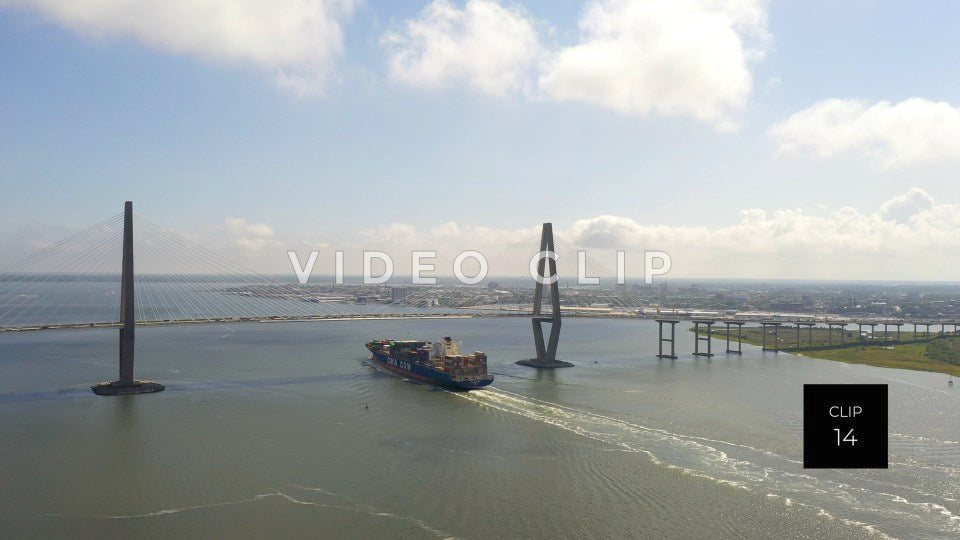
x: 747, y: 139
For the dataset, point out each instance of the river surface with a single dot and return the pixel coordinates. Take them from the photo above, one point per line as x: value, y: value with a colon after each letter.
x: 283, y: 430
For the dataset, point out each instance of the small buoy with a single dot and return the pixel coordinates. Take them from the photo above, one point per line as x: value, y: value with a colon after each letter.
x: 365, y: 406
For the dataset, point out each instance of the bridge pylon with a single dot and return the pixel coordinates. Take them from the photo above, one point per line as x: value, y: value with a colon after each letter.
x: 126, y: 384
x: 546, y: 354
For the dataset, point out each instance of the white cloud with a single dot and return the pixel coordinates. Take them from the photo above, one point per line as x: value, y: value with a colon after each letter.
x: 909, y: 237
x: 252, y: 236
x: 485, y: 46
x: 450, y: 228
x: 242, y: 226
x: 315, y: 244
x: 653, y: 57
x: 665, y: 57
x: 394, y: 232
x: 298, y: 41
x: 891, y: 135
x: 904, y: 207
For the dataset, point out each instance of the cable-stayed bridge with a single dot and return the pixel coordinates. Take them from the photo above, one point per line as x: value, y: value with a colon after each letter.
x: 83, y: 281
x: 96, y: 279
x: 75, y: 283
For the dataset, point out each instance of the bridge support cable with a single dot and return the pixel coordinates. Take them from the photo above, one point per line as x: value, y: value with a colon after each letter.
x: 46, y: 287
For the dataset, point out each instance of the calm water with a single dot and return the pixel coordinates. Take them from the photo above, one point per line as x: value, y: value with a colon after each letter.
x: 263, y: 432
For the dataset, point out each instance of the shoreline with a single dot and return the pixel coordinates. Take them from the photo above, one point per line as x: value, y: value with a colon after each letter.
x: 905, y: 354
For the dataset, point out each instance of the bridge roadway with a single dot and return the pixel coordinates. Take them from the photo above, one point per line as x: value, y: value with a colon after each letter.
x: 789, y: 318
x: 272, y: 319
x: 689, y: 316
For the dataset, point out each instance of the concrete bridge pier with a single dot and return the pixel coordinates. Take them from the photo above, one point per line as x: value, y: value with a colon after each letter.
x: 830, y: 326
x: 776, y: 336
x: 809, y: 326
x: 861, y: 324
x: 708, y: 338
x: 886, y: 331
x: 739, y: 325
x: 671, y: 339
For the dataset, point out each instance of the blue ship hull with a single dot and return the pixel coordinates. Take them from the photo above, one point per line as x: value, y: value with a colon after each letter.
x: 409, y: 370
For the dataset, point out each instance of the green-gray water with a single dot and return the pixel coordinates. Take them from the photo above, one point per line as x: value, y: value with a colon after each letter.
x: 263, y: 431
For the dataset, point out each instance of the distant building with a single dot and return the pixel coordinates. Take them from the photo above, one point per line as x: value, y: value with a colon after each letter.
x: 397, y: 294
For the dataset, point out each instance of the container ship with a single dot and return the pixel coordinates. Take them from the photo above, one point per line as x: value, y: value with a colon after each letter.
x: 437, y: 363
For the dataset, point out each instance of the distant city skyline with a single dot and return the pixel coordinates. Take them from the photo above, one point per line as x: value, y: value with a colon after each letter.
x: 748, y: 139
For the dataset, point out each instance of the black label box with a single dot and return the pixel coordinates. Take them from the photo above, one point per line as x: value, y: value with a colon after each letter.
x: 845, y: 426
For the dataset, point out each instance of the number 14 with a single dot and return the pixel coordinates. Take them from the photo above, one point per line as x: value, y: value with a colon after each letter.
x: 846, y: 438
